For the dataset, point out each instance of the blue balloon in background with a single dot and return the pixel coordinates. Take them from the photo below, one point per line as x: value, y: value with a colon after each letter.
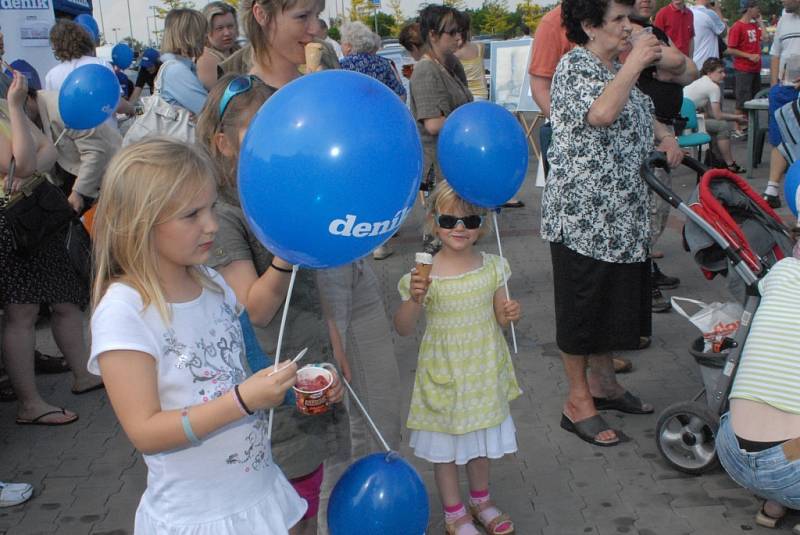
x: 380, y: 493
x: 329, y: 168
x: 790, y: 186
x: 483, y: 153
x: 88, y: 96
x: 88, y: 22
x: 122, y: 55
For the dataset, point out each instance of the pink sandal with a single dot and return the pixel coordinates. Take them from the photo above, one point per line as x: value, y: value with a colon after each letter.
x: 493, y: 526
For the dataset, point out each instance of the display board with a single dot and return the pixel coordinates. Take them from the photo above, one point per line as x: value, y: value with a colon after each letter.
x: 509, y: 81
x: 26, y: 27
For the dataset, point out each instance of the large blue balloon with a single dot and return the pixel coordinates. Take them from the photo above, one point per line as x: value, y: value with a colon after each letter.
x: 329, y: 168
x: 790, y: 186
x: 380, y: 493
x: 88, y: 22
x: 88, y: 96
x: 483, y: 153
x: 122, y: 55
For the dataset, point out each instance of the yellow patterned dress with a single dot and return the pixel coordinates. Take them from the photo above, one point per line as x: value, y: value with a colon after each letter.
x: 465, y: 378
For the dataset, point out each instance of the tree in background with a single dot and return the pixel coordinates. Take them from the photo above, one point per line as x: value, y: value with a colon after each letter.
x: 458, y: 4
x: 397, y: 14
x: 496, y: 18
x: 161, y: 12
x: 531, y: 13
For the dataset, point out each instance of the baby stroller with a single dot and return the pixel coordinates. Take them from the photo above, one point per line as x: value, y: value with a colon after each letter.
x: 729, y: 229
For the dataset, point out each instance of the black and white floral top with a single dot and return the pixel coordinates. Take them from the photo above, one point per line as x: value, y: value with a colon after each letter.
x: 594, y: 200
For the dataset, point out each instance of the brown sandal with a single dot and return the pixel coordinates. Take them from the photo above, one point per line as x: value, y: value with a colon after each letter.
x: 491, y: 526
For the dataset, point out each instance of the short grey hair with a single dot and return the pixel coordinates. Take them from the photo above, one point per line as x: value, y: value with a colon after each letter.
x: 360, y: 37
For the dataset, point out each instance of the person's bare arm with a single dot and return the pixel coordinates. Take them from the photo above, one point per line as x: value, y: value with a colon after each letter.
x: 407, y: 315
x: 207, y: 70
x: 715, y: 111
x: 675, y: 66
x: 433, y: 126
x: 540, y: 89
x: 774, y: 68
x: 261, y: 296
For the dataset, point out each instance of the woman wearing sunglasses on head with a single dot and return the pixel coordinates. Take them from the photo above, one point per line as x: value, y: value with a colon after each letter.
x: 260, y: 280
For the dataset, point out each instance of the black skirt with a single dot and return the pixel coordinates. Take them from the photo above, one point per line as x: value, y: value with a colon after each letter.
x: 600, y: 306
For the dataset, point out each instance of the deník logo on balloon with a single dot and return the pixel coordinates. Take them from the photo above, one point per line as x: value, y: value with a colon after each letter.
x: 329, y: 168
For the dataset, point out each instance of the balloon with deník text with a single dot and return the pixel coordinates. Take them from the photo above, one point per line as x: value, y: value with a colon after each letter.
x: 791, y: 187
x: 379, y: 493
x: 90, y: 25
x: 483, y: 153
x: 122, y: 55
x: 329, y: 168
x: 88, y: 96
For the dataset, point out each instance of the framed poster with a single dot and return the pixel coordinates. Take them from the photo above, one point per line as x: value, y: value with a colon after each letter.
x: 509, y: 80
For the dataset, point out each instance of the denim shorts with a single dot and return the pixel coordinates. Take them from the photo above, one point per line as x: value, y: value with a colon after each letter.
x: 778, y: 96
x: 767, y: 473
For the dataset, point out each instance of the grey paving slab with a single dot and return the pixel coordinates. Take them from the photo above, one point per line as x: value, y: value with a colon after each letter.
x: 88, y: 477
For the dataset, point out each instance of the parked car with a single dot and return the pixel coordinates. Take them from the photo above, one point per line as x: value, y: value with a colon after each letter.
x: 401, y: 59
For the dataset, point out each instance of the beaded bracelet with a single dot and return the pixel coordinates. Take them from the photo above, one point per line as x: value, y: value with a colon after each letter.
x: 276, y: 268
x: 241, y: 401
x: 187, y: 427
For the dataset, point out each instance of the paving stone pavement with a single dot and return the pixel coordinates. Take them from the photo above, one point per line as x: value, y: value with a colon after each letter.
x: 88, y: 478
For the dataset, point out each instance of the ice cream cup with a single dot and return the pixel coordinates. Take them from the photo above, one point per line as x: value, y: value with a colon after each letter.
x: 313, y: 56
x: 313, y: 401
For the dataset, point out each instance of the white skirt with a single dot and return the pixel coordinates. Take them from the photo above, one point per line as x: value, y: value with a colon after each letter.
x: 280, y: 509
x: 493, y: 443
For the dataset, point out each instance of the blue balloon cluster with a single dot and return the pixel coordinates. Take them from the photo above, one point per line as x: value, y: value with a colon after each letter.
x: 329, y: 168
x: 791, y: 185
x: 483, y: 153
x: 380, y: 493
x: 88, y: 22
x: 122, y: 55
x: 88, y: 96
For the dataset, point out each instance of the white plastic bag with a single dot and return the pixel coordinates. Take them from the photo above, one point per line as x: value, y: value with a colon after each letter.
x: 716, y: 321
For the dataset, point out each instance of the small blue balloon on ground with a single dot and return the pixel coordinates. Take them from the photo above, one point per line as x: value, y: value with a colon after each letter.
x: 88, y: 22
x: 483, y: 153
x: 380, y: 493
x: 122, y: 55
x: 88, y: 96
x: 329, y: 168
x: 791, y: 186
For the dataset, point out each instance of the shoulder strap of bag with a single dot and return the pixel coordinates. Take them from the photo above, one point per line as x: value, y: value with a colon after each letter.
x: 12, y: 167
x: 158, y: 82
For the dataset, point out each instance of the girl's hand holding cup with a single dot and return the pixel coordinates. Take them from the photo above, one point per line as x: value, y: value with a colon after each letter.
x: 264, y: 391
x: 335, y: 393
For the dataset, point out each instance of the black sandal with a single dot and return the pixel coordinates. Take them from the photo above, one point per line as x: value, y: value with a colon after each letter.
x: 6, y: 390
x: 627, y: 403
x: 589, y: 428
x: 47, y: 364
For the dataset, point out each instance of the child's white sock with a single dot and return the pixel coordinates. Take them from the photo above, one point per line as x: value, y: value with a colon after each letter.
x: 773, y: 188
x: 452, y: 513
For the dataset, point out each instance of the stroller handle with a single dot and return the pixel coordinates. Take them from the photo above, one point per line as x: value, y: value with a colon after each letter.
x: 659, y: 159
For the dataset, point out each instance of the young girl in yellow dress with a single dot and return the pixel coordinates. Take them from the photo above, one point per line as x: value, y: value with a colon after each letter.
x: 465, y: 379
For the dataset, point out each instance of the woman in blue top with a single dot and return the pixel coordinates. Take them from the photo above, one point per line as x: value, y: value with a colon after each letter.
x: 359, y: 45
x: 184, y: 41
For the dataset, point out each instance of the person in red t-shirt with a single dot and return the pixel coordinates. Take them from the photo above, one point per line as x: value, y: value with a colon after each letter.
x: 744, y: 44
x: 677, y: 21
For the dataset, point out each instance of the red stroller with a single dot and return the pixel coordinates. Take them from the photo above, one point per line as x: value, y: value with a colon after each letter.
x: 729, y: 228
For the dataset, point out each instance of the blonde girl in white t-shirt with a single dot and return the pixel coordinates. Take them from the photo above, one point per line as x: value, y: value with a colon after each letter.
x: 167, y: 341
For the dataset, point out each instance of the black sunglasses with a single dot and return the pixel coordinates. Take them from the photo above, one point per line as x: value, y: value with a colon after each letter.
x: 470, y: 222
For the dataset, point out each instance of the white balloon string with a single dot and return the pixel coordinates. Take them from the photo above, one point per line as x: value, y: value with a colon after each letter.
x: 366, y: 414
x: 59, y: 137
x: 280, y: 340
x: 505, y: 277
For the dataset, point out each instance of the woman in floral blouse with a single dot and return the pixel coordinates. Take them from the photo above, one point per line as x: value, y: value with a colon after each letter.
x: 359, y: 45
x: 595, y: 208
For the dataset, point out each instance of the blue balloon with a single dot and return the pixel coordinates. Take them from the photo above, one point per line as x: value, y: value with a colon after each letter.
x: 380, y: 493
x: 790, y: 186
x: 88, y: 22
x: 483, y: 153
x: 122, y: 55
x: 329, y: 168
x: 88, y: 96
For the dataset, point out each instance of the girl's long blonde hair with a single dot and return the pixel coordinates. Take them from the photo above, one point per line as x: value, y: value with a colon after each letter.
x: 146, y: 184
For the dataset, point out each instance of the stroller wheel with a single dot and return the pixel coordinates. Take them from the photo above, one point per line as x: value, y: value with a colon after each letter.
x: 685, y: 435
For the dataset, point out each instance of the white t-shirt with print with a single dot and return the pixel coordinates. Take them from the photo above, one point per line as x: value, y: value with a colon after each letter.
x: 229, y: 479
x: 786, y: 42
x: 702, y: 91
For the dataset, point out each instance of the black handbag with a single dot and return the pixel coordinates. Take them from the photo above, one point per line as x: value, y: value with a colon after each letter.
x: 35, y: 213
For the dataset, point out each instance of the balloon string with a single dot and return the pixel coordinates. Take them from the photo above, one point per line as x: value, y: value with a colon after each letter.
x: 366, y: 414
x: 60, y: 136
x: 505, y: 277
x: 280, y: 340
